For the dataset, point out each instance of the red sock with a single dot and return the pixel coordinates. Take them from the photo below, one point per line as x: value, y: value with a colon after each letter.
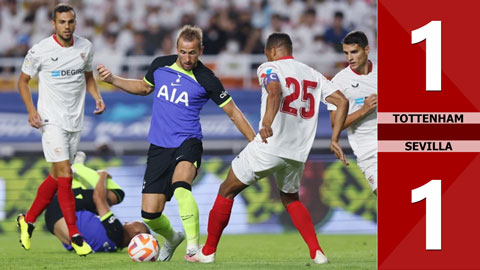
x: 67, y: 204
x: 44, y: 196
x: 217, y: 221
x: 303, y: 222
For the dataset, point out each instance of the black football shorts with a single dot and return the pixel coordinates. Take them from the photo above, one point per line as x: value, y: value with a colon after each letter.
x: 161, y: 163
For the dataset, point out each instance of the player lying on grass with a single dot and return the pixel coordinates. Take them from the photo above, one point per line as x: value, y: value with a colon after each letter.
x: 97, y: 224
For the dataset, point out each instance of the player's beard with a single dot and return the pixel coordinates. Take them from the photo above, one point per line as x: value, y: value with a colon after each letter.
x: 191, y: 66
x: 65, y: 39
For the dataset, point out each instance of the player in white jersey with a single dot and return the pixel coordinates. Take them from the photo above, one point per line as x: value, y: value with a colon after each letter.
x: 291, y: 93
x: 63, y: 63
x: 358, y: 83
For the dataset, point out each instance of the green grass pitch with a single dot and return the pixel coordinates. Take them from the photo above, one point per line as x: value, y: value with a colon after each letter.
x: 253, y: 251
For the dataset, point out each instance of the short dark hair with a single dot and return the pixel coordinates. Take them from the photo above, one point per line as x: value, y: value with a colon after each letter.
x: 61, y: 8
x: 338, y: 14
x: 276, y: 40
x: 356, y: 37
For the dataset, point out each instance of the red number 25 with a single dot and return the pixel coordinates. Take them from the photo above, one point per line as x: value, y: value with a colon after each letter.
x: 306, y: 97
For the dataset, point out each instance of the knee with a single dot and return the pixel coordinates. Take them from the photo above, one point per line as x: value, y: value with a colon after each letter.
x: 153, y: 205
x: 288, y: 198
x: 61, y: 170
x: 228, y: 190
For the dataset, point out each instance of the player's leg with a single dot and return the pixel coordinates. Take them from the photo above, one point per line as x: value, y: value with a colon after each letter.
x: 52, y: 139
x: 369, y: 169
x: 152, y: 208
x: 55, y: 222
x: 60, y: 230
x: 187, y: 160
x: 66, y: 200
x: 221, y: 210
x: 303, y: 222
x: 187, y: 206
x: 44, y: 195
x: 288, y: 181
x: 218, y: 218
x: 63, y: 172
x: 86, y: 178
x: 155, y: 193
x: 240, y: 176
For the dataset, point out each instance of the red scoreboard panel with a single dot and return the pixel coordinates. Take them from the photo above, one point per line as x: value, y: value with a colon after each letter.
x: 429, y: 134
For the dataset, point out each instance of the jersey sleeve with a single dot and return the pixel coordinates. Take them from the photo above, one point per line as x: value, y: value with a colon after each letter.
x: 330, y: 106
x: 156, y: 63
x: 207, y: 79
x: 113, y: 227
x: 88, y: 63
x: 327, y: 88
x: 264, y: 72
x: 31, y: 63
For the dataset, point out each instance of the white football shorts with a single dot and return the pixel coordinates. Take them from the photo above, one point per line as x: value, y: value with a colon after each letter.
x: 59, y: 144
x: 369, y: 169
x: 252, y: 164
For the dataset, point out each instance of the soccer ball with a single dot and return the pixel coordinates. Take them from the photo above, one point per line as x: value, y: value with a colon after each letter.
x: 143, y: 248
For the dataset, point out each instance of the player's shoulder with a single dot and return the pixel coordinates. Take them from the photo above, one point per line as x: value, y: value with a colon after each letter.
x: 343, y: 74
x: 162, y: 61
x: 202, y: 69
x: 43, y: 45
x: 207, y: 78
x: 271, y: 64
x: 267, y: 68
x: 81, y: 41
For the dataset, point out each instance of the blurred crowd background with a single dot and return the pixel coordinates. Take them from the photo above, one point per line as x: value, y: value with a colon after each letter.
x: 127, y: 33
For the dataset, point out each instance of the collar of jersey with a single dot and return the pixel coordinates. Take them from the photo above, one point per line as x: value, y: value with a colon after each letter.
x: 58, y: 42
x: 285, y: 57
x: 181, y: 70
x: 369, y: 70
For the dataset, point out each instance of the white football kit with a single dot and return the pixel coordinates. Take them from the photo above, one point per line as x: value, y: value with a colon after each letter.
x: 294, y: 126
x: 362, y: 135
x: 61, y: 92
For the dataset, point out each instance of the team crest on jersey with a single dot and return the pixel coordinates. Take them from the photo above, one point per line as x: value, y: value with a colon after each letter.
x: 177, y: 81
x: 83, y: 55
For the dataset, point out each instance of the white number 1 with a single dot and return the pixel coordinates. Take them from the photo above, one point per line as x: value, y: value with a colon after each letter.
x: 432, y: 32
x: 432, y: 192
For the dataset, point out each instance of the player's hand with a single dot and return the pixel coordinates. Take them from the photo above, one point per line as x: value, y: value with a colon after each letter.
x: 265, y: 132
x: 370, y: 103
x: 337, y: 150
x: 34, y: 119
x: 104, y: 73
x: 100, y: 107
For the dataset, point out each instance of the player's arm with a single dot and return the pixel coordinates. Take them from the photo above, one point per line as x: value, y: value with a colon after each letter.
x: 239, y: 120
x: 132, y: 86
x: 112, y: 225
x: 339, y: 100
x: 274, y: 90
x: 369, y: 106
x: 92, y: 89
x: 34, y: 118
x: 100, y: 194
